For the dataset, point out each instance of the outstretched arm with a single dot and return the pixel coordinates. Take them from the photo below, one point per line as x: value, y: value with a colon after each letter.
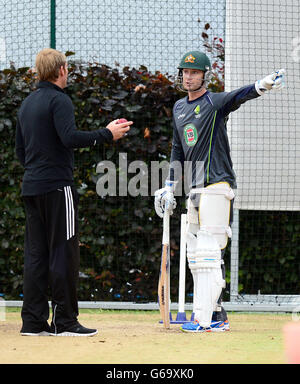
x: 233, y: 100
x: 64, y: 122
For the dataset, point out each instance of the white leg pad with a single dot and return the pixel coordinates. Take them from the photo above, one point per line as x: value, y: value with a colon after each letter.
x: 214, y: 210
x: 204, y: 257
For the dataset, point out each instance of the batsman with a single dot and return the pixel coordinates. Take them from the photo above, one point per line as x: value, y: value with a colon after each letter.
x: 200, y: 136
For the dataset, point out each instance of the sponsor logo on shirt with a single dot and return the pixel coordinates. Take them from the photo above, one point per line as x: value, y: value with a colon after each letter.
x: 181, y: 116
x: 190, y: 134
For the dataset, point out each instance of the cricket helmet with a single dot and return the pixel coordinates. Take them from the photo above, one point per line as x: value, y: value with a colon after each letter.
x: 195, y: 60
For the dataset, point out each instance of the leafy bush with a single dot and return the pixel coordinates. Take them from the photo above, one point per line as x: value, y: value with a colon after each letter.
x: 120, y: 238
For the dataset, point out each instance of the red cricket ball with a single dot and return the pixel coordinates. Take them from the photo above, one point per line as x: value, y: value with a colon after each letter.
x: 120, y: 121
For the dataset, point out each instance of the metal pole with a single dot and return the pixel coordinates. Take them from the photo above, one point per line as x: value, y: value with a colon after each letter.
x: 52, y: 24
x: 182, y: 265
x: 234, y: 268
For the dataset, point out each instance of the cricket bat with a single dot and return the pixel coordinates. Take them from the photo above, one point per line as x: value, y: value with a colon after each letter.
x: 164, y: 276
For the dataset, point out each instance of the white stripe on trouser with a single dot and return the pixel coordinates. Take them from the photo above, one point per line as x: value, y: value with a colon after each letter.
x: 73, y: 213
x: 54, y: 319
x: 70, y: 220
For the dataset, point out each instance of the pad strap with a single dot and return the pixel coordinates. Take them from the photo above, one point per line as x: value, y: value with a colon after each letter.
x: 217, y: 229
x: 228, y: 193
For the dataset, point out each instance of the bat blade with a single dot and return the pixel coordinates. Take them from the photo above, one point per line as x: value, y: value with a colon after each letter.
x: 163, y: 287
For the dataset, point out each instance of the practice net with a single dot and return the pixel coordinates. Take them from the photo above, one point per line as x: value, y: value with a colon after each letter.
x: 258, y: 37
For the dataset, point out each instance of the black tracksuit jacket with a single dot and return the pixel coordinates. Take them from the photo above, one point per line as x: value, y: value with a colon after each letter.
x: 45, y: 137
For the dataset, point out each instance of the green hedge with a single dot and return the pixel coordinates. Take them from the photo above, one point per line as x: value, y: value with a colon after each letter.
x: 120, y: 238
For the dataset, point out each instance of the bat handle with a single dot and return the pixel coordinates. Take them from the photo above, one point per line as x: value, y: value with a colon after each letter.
x: 166, y: 228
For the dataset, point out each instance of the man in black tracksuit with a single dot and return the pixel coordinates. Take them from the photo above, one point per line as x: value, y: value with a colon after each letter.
x: 45, y: 137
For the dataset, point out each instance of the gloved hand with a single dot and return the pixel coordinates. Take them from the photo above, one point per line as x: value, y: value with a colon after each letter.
x: 164, y: 199
x: 274, y: 81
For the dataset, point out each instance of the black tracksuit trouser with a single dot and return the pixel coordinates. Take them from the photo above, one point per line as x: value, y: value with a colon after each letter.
x: 51, y: 259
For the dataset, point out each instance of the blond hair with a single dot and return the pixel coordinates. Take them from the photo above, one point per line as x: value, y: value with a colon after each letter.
x: 48, y: 62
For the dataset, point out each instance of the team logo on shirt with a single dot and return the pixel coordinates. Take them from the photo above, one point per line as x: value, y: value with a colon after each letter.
x: 190, y: 134
x: 197, y: 110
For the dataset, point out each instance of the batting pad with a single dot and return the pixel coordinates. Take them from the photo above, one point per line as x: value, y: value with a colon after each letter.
x: 214, y: 210
x: 204, y: 257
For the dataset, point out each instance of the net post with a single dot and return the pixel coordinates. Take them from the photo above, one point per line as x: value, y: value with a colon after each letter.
x: 234, y: 259
x: 52, y: 24
x: 181, y: 316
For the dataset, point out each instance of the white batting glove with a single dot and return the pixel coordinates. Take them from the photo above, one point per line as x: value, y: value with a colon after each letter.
x: 274, y: 81
x: 164, y: 199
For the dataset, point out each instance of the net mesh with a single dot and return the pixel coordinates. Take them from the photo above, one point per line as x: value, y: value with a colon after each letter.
x: 260, y: 37
x: 264, y: 134
x: 129, y: 32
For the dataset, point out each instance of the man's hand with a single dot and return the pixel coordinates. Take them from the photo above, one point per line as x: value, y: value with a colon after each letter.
x: 274, y: 81
x: 119, y: 130
x: 164, y: 199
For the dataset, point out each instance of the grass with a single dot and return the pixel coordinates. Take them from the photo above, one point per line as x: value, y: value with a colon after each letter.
x: 136, y: 337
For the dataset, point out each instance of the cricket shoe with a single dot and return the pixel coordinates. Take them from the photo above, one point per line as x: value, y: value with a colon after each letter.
x: 218, y: 326
x: 75, y: 330
x: 226, y: 325
x: 194, y: 327
x: 43, y: 332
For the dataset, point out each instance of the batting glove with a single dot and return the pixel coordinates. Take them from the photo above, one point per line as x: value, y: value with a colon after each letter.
x: 274, y: 81
x: 164, y: 199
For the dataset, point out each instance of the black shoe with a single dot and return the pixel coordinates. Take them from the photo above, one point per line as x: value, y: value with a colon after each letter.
x: 220, y: 315
x: 76, y: 330
x: 45, y: 331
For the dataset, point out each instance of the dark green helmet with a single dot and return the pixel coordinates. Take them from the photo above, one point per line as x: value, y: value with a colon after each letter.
x: 195, y: 60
